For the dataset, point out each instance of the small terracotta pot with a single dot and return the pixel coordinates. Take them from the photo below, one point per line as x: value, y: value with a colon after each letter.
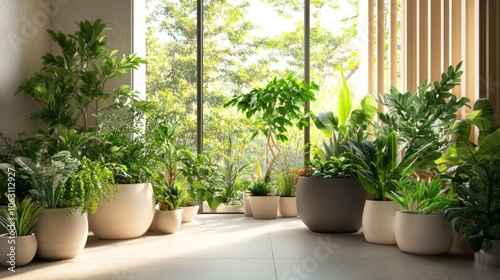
x: 24, y: 250
x: 265, y: 207
x: 288, y: 207
x: 168, y: 221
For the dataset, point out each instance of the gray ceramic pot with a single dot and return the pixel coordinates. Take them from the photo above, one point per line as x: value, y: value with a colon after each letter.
x: 331, y: 205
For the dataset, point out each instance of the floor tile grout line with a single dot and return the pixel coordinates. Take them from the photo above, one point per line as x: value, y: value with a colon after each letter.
x: 272, y: 250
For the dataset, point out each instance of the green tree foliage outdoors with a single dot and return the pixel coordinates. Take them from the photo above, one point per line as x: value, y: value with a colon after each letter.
x: 239, y: 54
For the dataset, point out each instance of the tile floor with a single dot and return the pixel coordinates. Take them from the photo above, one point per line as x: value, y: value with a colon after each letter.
x: 232, y: 246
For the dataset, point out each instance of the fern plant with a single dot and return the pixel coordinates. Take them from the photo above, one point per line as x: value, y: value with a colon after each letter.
x: 260, y: 188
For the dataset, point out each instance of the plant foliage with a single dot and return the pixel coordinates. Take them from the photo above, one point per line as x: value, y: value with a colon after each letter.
x: 333, y: 168
x: 421, y: 198
x: 260, y: 188
x: 23, y: 219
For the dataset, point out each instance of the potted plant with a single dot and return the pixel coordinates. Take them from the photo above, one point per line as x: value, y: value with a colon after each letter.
x: 18, y: 246
x: 331, y: 198
x: 277, y: 107
x: 334, y: 180
x: 264, y: 204
x: 475, y: 180
x: 4, y: 200
x: 286, y: 183
x: 168, y: 218
x: 74, y: 90
x: 416, y: 132
x: 61, y: 230
x: 421, y: 228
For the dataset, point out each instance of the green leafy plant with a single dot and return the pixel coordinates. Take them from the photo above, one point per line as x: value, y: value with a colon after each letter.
x: 203, y: 174
x: 478, y: 210
x: 260, y: 188
x: 347, y: 124
x: 277, y: 107
x: 333, y: 168
x: 418, y: 197
x: 22, y: 218
x: 286, y: 182
x: 416, y: 132
x: 3, y: 185
x: 169, y: 198
x: 79, y: 78
x: 91, y: 183
x: 48, y: 176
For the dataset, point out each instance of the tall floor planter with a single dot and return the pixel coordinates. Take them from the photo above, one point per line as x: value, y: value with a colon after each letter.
x: 60, y: 237
x: 378, y: 221
x: 331, y: 205
x: 423, y: 234
x: 128, y: 216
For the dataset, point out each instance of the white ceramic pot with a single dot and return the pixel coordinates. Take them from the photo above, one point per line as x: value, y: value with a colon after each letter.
x: 423, y: 234
x: 128, y: 216
x: 189, y: 213
x: 378, y: 221
x: 265, y: 207
x: 24, y: 250
x: 288, y: 206
x: 168, y: 221
x: 491, y: 258
x: 58, y: 236
x: 230, y: 208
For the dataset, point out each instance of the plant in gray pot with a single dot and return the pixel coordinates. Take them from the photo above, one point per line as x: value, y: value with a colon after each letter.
x: 332, y: 198
x: 421, y: 228
x: 18, y: 246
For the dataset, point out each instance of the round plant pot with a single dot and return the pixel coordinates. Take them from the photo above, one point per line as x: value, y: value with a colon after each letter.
x: 60, y: 237
x: 288, y: 206
x: 23, y: 253
x: 378, y: 221
x: 128, y: 216
x: 331, y: 205
x: 189, y: 213
x: 491, y: 258
x: 422, y: 234
x: 265, y: 207
x: 168, y: 221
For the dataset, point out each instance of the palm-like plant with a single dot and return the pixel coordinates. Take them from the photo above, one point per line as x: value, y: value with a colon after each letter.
x: 24, y: 217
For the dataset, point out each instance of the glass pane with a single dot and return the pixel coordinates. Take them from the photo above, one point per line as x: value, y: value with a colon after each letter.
x: 247, y: 44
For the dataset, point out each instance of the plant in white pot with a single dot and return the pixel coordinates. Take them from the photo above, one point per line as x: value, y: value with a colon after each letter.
x: 421, y: 228
x: 286, y: 183
x: 415, y: 133
x: 168, y: 217
x: 264, y: 204
x: 61, y: 229
x: 18, y: 246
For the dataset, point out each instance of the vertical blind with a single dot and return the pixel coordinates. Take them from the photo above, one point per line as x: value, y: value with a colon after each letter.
x: 433, y: 35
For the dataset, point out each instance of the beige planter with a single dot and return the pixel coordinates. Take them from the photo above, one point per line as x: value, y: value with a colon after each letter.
x: 491, y: 258
x: 246, y: 205
x: 265, y: 207
x: 58, y: 236
x: 24, y: 250
x: 230, y: 208
x: 378, y: 221
x: 288, y: 206
x: 168, y: 221
x: 128, y: 216
x: 189, y: 213
x: 423, y: 234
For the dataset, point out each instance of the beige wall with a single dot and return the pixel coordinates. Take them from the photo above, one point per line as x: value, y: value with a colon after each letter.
x: 22, y: 24
x: 25, y: 22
